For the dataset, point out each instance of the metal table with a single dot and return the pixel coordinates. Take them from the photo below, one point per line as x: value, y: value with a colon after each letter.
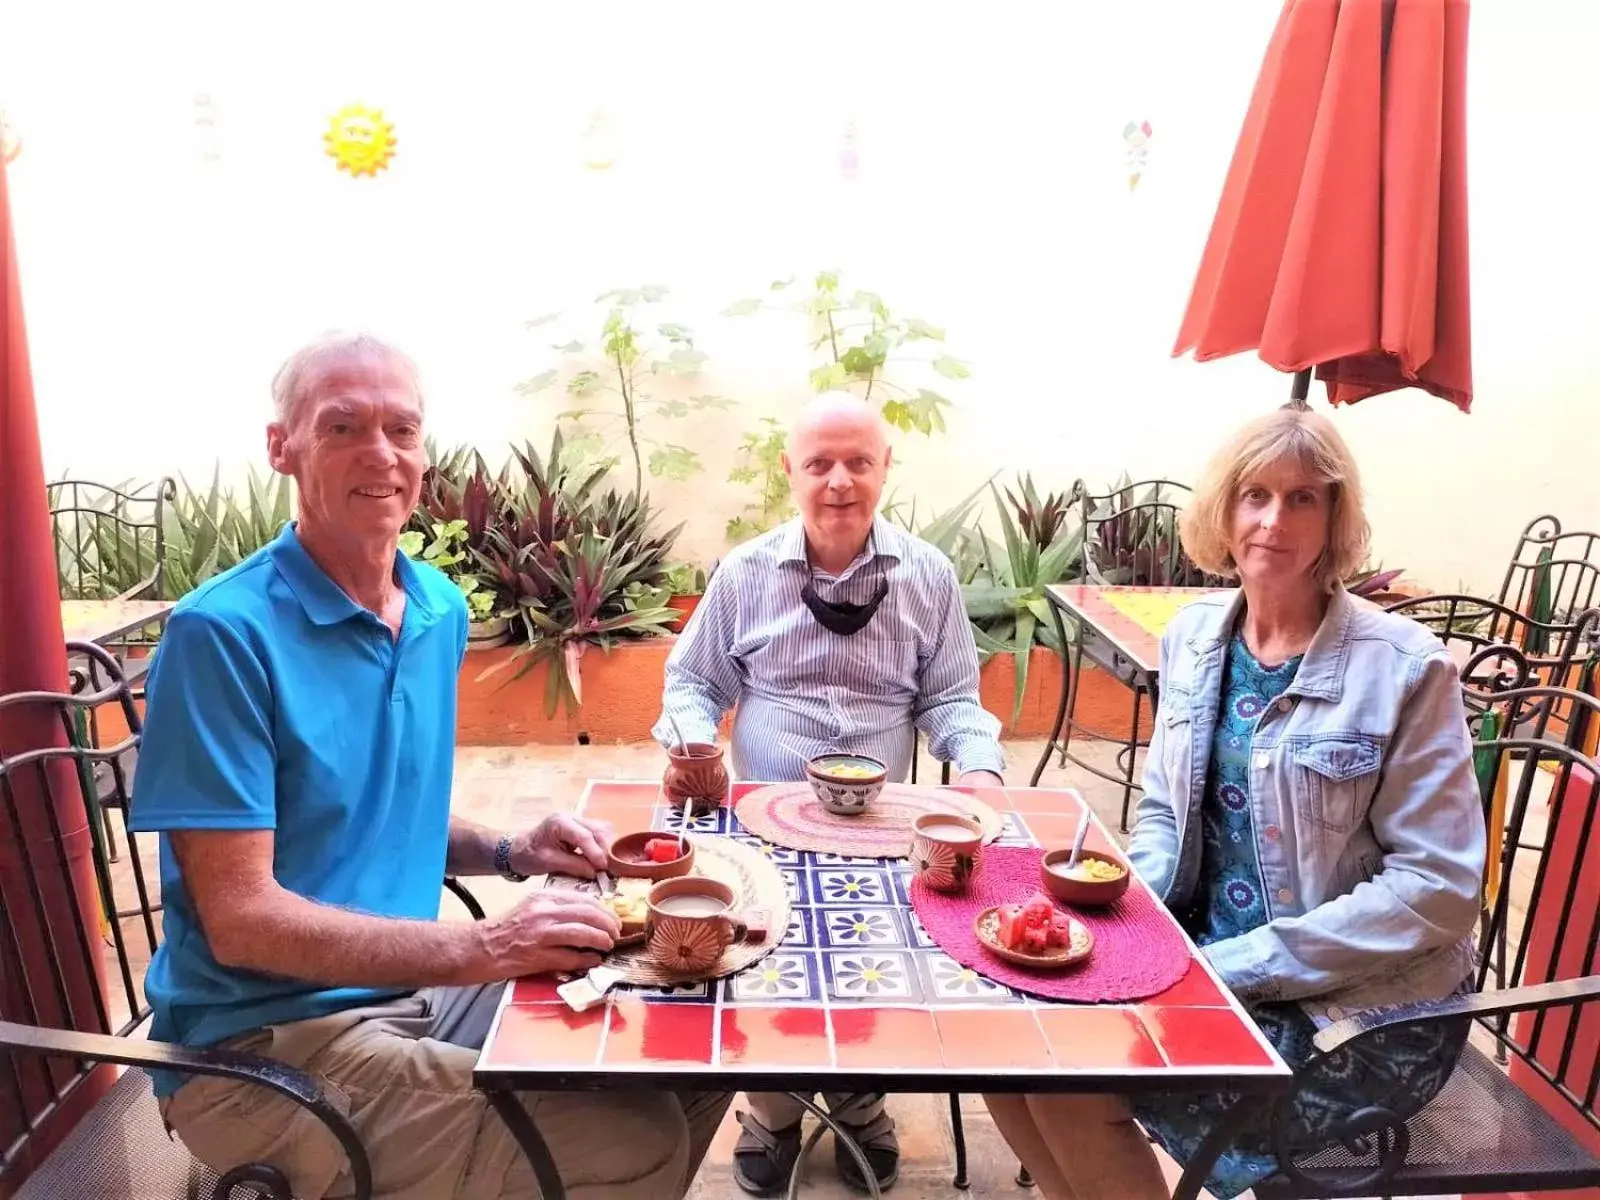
x: 1119, y: 630
x: 104, y: 621
x: 857, y: 998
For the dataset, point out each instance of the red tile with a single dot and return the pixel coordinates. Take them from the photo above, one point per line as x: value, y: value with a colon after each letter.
x: 620, y: 795
x: 1043, y: 800
x: 1052, y: 830
x: 1196, y: 990
x: 740, y: 790
x: 994, y: 797
x: 760, y: 1037
x: 535, y: 989
x: 659, y: 1034
x: 1096, y: 1038
x: 980, y: 1039
x: 546, y: 1035
x: 1205, y: 1037
x: 885, y: 1037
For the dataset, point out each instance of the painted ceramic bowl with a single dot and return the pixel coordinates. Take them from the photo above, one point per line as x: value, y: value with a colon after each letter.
x: 1096, y: 879
x: 846, y: 783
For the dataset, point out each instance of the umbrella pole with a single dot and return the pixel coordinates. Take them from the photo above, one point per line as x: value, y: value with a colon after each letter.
x: 1300, y: 389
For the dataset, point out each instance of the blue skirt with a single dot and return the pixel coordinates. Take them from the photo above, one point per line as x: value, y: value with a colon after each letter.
x: 1400, y: 1070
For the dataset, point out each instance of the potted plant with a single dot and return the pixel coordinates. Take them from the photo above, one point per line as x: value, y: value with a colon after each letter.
x: 446, y: 547
x: 685, y: 585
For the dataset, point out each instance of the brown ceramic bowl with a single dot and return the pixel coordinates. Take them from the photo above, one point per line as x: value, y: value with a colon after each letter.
x: 626, y: 858
x: 1086, y: 893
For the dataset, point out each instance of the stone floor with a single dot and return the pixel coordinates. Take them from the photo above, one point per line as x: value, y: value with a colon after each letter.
x: 511, y: 786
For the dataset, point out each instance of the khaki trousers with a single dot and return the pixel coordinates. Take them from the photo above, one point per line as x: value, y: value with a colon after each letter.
x: 402, y: 1072
x: 779, y: 1110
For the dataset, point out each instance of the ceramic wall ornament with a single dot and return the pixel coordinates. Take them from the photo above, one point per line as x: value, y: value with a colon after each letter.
x: 359, y: 140
x: 207, y: 131
x: 1137, y: 135
x: 10, y: 140
x: 597, y: 145
x: 849, y: 150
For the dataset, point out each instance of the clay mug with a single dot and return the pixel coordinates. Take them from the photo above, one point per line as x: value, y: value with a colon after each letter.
x: 691, y: 922
x: 944, y: 850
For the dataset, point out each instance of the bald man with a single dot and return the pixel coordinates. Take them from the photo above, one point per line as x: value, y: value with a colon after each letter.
x: 835, y: 631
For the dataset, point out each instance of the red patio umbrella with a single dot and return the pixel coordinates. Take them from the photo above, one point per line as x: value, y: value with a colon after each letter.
x: 1340, y: 241
x: 33, y: 658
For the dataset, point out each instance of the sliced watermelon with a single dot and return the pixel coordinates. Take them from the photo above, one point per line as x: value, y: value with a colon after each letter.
x: 1036, y: 941
x: 1037, y: 912
x: 662, y: 850
x: 1011, y: 926
x: 1060, y: 933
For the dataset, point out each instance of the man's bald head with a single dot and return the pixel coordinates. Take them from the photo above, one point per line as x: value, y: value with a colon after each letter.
x: 836, y: 413
x: 837, y: 459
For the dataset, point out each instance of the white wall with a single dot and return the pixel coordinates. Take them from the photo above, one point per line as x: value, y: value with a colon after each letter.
x: 992, y: 199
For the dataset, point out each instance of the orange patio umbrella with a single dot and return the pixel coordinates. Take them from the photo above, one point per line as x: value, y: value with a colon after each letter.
x: 1340, y: 241
x: 37, y: 913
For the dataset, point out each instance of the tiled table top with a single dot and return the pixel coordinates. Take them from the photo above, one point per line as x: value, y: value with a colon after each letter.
x: 1131, y: 618
x: 102, y: 620
x: 858, y: 998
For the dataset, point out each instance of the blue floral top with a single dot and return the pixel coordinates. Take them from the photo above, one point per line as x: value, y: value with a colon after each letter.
x: 1229, y: 900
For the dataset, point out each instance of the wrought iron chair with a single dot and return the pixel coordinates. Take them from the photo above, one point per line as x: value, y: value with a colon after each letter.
x: 1514, y: 1113
x: 1552, y: 573
x: 1130, y: 538
x: 52, y: 1052
x: 110, y: 544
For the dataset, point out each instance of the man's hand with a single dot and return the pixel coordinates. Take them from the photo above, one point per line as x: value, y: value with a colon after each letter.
x: 562, y: 844
x: 980, y: 779
x: 550, y: 931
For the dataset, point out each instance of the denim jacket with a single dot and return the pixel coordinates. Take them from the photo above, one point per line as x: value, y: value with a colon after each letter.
x: 1369, y: 829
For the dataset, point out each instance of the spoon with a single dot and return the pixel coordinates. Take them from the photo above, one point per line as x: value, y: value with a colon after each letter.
x: 1077, y: 842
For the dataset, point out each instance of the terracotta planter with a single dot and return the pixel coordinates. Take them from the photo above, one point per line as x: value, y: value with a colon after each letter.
x: 684, y: 605
x: 1103, y: 703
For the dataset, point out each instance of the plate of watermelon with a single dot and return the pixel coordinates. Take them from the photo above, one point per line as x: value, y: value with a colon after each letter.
x: 1034, y: 934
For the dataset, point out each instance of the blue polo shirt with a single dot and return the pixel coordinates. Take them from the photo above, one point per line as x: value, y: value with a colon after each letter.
x: 276, y: 702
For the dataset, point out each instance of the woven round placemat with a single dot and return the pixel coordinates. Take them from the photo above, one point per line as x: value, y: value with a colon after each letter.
x: 1138, y: 951
x: 755, y: 880
x: 789, y: 814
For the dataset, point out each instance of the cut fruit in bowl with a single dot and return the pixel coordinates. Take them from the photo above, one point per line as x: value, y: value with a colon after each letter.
x: 1033, y: 934
x: 650, y: 854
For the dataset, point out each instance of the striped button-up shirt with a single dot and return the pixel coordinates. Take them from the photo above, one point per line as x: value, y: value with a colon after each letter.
x: 799, y: 690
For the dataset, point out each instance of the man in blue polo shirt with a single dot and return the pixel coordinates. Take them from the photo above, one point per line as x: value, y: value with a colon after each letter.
x: 297, y: 760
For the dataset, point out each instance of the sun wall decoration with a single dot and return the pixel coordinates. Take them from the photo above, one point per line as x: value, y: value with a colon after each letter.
x: 359, y: 140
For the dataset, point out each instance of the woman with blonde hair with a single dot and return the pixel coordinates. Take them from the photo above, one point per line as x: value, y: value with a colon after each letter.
x: 1309, y: 814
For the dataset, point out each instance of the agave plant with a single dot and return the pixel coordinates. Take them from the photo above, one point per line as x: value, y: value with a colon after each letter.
x: 1135, y: 542
x: 207, y: 533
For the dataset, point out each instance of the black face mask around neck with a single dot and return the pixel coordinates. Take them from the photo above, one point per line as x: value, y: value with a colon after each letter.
x: 841, y: 616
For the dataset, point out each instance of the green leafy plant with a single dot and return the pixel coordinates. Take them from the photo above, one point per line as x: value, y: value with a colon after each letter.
x: 621, y: 367
x: 447, y: 546
x: 861, y: 344
x: 758, y: 460
x: 1134, y: 541
x: 207, y: 533
x: 684, y: 579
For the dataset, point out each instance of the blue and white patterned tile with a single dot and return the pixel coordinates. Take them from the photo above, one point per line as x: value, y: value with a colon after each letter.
x: 674, y: 818
x: 780, y: 856
x: 919, y: 935
x: 801, y: 934
x: 851, y: 885
x: 946, y: 981
x: 858, y: 927
x: 901, y: 882
x: 870, y: 976
x: 782, y: 977
x: 702, y: 992
x: 799, y: 885
x: 822, y: 858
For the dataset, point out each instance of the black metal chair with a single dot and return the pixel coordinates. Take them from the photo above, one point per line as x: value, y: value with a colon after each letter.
x: 1505, y: 1119
x: 53, y: 1057
x: 1565, y: 563
x: 110, y: 544
x: 1131, y: 539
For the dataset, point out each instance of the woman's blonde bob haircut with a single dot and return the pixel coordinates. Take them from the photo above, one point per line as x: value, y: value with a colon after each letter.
x: 1288, y: 435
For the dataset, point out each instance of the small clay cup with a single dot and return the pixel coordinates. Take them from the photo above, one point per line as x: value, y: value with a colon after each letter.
x: 943, y: 859
x: 698, y: 780
x: 690, y: 944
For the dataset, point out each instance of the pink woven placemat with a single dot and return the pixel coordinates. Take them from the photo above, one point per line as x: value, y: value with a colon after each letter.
x: 1138, y: 952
